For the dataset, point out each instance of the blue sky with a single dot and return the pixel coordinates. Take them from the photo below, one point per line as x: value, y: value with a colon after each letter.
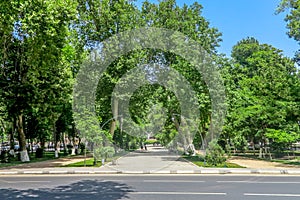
x: 237, y: 19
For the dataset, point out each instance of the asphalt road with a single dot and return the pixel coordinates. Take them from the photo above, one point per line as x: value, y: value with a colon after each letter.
x: 148, y: 187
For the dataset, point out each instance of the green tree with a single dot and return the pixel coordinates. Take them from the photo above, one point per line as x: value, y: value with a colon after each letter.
x: 281, y: 139
x: 292, y: 18
x: 33, y: 71
x: 113, y: 17
x: 261, y: 88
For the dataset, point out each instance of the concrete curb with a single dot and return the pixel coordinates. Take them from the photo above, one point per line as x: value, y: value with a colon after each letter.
x: 242, y: 171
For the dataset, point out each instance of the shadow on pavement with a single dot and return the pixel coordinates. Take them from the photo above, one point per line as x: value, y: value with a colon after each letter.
x: 85, y: 189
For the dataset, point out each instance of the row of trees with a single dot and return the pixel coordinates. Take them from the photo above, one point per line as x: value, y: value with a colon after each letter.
x: 45, y: 42
x: 36, y: 77
x: 263, y: 90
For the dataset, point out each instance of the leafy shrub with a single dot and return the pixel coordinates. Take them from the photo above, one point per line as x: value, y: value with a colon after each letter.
x: 151, y: 142
x: 4, y: 157
x: 240, y: 143
x: 215, y: 154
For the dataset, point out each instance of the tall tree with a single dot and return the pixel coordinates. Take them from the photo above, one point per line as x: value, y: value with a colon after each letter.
x: 33, y: 34
x: 293, y: 20
x: 101, y: 19
x: 263, y: 84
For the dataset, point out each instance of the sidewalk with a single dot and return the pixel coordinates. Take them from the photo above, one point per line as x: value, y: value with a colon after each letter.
x: 157, y: 160
x: 59, y: 162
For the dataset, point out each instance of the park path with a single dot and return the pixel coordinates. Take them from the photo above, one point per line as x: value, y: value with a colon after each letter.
x: 154, y: 159
x: 59, y: 162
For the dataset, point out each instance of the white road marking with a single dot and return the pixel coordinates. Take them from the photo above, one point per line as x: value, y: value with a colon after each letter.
x: 145, y: 193
x: 113, y: 180
x: 5, y: 181
x: 261, y: 182
x: 178, y: 193
x: 172, y: 181
x: 273, y: 195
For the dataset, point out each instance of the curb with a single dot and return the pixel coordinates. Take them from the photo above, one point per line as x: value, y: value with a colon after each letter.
x: 240, y: 171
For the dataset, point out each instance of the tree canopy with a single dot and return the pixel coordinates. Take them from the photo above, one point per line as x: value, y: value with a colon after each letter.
x: 45, y: 44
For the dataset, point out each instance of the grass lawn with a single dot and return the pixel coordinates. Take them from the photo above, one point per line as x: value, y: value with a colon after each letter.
x: 199, y: 161
x: 288, y: 162
x: 88, y: 163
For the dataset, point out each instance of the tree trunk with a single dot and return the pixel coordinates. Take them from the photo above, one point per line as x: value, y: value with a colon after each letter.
x: 176, y: 123
x: 260, y: 152
x: 22, y: 139
x: 115, y: 115
x: 253, y: 146
x: 11, y: 139
x: 73, y: 148
x: 64, y: 144
x: 56, y: 139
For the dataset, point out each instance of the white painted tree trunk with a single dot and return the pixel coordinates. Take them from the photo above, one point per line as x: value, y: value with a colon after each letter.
x: 24, y: 156
x: 193, y: 149
x: 115, y: 115
x: 56, y: 153
x: 12, y: 152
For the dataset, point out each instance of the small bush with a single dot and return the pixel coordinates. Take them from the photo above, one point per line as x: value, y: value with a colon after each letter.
x: 151, y: 142
x: 215, y: 155
x: 4, y: 157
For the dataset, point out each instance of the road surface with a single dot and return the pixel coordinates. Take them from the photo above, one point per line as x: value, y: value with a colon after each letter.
x: 148, y: 187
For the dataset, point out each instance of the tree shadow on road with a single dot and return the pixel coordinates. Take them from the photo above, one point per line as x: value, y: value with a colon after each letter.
x: 85, y: 189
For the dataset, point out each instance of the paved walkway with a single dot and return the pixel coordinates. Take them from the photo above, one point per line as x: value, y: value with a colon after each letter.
x: 157, y: 160
x: 153, y: 160
x: 59, y: 162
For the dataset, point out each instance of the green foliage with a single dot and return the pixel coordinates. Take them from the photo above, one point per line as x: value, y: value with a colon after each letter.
x: 151, y: 142
x: 215, y: 155
x: 35, y: 72
x: 199, y: 161
x: 44, y: 42
x: 293, y: 21
x: 240, y: 142
x: 281, y: 139
x: 292, y: 18
x: 87, y: 163
x: 98, y: 20
x: 5, y: 157
x: 105, y: 152
x: 261, y: 85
